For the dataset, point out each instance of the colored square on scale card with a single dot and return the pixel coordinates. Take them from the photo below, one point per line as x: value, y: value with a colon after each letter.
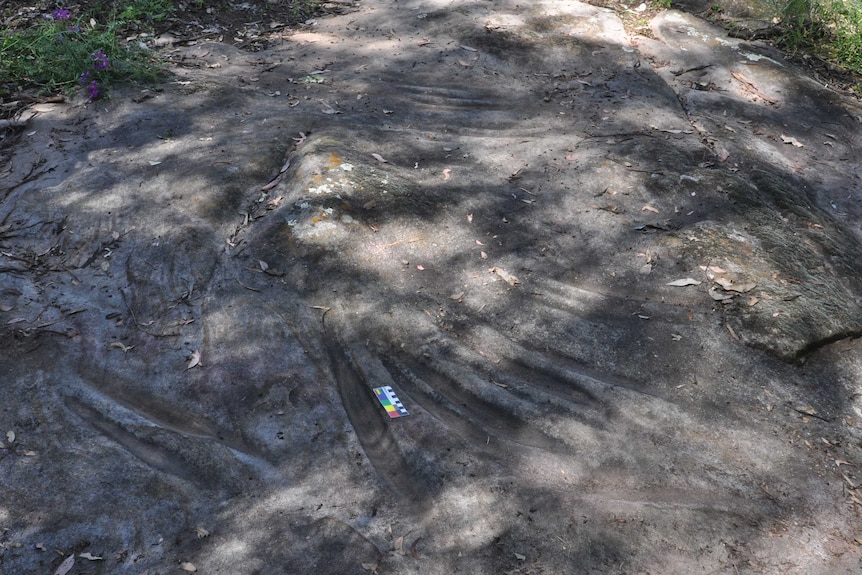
x: 390, y: 401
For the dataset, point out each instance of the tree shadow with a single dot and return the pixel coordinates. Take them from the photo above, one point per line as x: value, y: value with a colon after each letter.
x: 491, y: 270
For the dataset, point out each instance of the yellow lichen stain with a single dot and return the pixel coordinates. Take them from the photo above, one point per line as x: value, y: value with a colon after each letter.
x: 333, y: 161
x: 316, y: 179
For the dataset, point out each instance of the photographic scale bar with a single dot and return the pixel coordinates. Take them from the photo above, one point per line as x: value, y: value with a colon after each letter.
x: 390, y: 402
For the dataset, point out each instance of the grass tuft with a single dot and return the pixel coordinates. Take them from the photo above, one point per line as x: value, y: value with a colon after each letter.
x: 831, y: 29
x: 61, y: 52
x: 62, y: 49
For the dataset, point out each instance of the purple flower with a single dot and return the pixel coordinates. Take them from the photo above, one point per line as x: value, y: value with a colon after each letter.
x: 61, y: 14
x: 85, y: 77
x: 92, y: 90
x: 100, y: 60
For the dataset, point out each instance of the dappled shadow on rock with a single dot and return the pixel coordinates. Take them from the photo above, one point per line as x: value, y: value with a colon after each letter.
x: 554, y: 262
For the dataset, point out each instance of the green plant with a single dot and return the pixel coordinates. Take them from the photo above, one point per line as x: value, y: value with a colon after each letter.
x: 847, y: 34
x: 303, y: 9
x: 59, y: 53
x: 831, y: 29
x: 138, y: 11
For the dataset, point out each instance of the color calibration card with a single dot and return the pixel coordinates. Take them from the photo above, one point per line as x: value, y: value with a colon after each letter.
x: 390, y: 401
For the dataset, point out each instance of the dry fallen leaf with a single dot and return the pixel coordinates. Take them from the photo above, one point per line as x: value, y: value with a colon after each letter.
x: 4, y: 307
x: 120, y: 346
x: 505, y: 276
x: 263, y: 265
x: 273, y: 183
x: 793, y: 141
x: 469, y: 216
x: 89, y: 556
x: 684, y: 282
x: 413, y: 550
x: 483, y: 255
x: 850, y: 483
x: 399, y: 545
x: 10, y: 436
x: 520, y: 557
x: 649, y: 208
x: 380, y: 158
x: 723, y: 155
x: 65, y: 566
x: 201, y: 532
x: 719, y: 296
x: 370, y: 567
x: 446, y: 175
x: 195, y: 359
x: 188, y: 567
x: 728, y: 285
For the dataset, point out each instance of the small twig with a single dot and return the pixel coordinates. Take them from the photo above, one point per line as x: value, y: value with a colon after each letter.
x: 132, y: 313
x: 732, y: 333
x: 395, y: 243
x: 695, y: 69
x: 749, y: 85
x: 323, y: 308
x: 247, y: 287
x: 810, y: 414
x: 766, y: 491
x: 74, y: 277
